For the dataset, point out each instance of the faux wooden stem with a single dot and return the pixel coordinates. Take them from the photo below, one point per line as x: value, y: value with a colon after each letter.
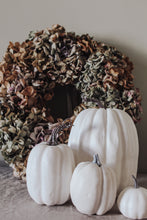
x: 135, y: 182
x: 96, y: 160
x: 95, y: 101
x: 53, y: 140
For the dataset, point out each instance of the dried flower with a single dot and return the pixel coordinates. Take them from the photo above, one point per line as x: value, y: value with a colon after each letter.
x: 107, y: 76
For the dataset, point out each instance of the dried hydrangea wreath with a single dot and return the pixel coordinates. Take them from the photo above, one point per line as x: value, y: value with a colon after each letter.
x: 35, y: 72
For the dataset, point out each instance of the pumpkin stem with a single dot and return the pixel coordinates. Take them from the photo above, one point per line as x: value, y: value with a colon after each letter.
x: 100, y: 105
x: 96, y: 160
x: 135, y: 182
x: 55, y: 132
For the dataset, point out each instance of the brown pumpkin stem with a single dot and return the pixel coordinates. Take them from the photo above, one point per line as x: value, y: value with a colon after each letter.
x: 53, y: 139
x: 135, y: 182
x: 96, y: 160
x: 100, y: 105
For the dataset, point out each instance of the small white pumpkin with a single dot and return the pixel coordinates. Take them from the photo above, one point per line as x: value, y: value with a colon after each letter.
x: 132, y: 202
x: 93, y: 187
x: 112, y: 134
x: 49, y: 171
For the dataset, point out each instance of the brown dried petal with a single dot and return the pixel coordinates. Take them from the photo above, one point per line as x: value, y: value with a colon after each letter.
x: 1, y: 76
x: 20, y: 95
x: 28, y: 91
x: 114, y: 72
x: 48, y: 96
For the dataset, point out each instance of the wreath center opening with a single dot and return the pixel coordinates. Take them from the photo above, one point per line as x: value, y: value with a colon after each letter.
x: 65, y: 99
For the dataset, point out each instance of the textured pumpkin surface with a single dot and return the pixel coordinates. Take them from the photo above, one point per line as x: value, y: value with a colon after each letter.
x: 112, y: 134
x: 49, y: 171
x: 93, y: 188
x: 132, y: 202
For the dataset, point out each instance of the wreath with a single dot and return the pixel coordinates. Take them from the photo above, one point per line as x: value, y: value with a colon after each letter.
x: 48, y: 79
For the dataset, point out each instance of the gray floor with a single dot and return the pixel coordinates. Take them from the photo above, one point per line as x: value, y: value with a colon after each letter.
x: 15, y: 202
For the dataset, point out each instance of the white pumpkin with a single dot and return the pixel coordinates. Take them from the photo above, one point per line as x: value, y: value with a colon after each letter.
x: 112, y: 134
x: 93, y: 187
x: 49, y: 171
x: 132, y: 202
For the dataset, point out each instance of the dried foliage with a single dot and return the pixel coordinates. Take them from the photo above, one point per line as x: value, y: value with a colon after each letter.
x: 108, y: 77
x: 29, y: 73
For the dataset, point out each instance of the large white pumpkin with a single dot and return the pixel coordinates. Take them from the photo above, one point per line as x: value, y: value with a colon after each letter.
x: 49, y: 171
x: 112, y: 134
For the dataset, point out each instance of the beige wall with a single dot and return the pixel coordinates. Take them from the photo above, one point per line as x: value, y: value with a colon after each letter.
x: 121, y: 23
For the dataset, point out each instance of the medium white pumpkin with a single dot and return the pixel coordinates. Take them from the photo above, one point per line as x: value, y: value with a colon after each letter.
x: 93, y: 187
x: 132, y: 202
x: 49, y: 171
x: 112, y: 134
